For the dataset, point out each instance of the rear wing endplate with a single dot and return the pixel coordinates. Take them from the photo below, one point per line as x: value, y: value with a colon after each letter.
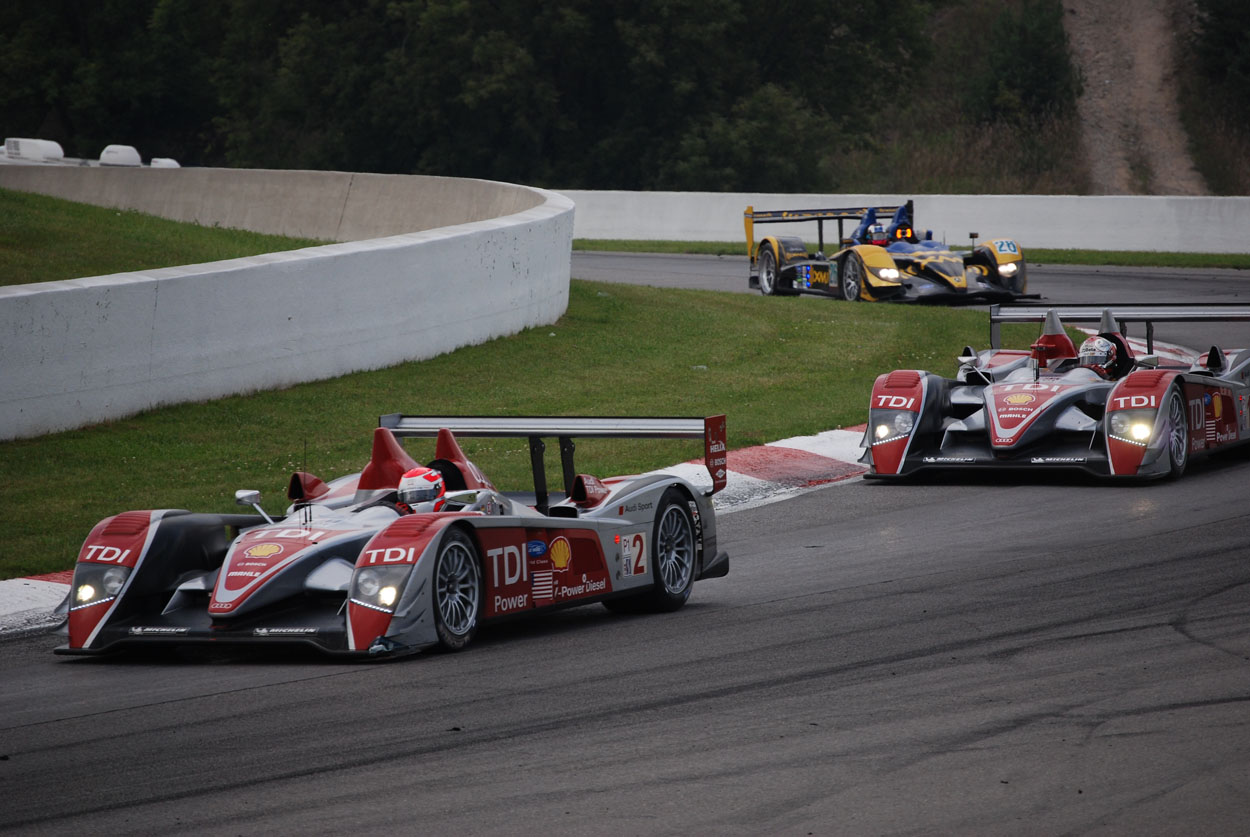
x: 567, y: 428
x: 754, y: 216
x: 1173, y: 312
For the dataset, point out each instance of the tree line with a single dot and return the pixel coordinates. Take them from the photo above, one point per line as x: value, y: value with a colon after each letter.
x: 604, y: 94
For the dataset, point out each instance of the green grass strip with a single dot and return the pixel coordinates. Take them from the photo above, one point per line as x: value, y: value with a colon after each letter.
x: 778, y: 367
x: 45, y: 239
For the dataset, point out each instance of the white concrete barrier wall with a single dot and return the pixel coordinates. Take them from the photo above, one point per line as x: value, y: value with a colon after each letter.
x: 1111, y: 222
x: 92, y: 349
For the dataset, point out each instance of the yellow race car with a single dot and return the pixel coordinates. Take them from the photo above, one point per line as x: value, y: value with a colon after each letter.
x: 878, y: 263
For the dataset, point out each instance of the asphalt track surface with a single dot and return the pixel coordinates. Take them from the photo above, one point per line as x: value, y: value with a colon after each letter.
x: 960, y: 657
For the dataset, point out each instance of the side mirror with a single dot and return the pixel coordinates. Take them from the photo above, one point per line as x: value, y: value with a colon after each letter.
x: 1148, y: 362
x: 251, y: 497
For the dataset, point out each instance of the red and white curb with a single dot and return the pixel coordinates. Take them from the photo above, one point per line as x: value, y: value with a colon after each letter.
x: 757, y: 476
x: 26, y: 603
x: 780, y: 470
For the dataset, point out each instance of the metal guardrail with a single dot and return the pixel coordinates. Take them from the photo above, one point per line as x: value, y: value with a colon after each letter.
x: 1123, y: 314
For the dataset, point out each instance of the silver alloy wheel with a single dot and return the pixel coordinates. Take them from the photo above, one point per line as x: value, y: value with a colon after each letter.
x: 457, y: 588
x: 1178, y: 440
x: 852, y: 277
x: 675, y: 550
x: 768, y: 271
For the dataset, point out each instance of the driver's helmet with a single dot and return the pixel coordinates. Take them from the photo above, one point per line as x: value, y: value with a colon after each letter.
x: 878, y: 236
x: 421, y: 489
x: 1098, y: 354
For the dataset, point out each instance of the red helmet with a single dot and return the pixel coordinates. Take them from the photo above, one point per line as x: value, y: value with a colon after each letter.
x: 1098, y: 354
x: 421, y: 489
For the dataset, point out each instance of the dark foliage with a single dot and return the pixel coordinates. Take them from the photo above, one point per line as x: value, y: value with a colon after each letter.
x: 644, y: 94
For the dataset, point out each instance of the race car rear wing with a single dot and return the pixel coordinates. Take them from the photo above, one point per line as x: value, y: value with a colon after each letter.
x: 567, y: 428
x: 753, y: 216
x: 1172, y: 312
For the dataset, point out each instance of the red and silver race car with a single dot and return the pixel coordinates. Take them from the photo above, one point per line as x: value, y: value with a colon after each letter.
x: 401, y: 557
x: 1100, y: 409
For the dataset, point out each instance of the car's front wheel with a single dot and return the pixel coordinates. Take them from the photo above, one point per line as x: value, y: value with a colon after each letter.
x: 851, y: 282
x: 1178, y: 433
x: 457, y: 591
x: 768, y: 270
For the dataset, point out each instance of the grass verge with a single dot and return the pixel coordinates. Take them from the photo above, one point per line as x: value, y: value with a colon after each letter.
x: 45, y: 239
x: 778, y: 367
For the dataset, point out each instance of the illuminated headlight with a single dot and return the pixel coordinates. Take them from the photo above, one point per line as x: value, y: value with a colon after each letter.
x: 888, y: 425
x: 378, y: 588
x: 890, y: 274
x: 1008, y: 269
x: 97, y: 583
x: 1133, y: 426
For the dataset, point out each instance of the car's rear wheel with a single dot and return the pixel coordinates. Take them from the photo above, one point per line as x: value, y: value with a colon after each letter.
x: 851, y: 282
x: 673, y: 550
x: 457, y: 591
x: 1178, y: 433
x: 768, y: 270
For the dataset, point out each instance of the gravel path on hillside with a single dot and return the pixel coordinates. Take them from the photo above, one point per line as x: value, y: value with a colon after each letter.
x: 1131, y: 131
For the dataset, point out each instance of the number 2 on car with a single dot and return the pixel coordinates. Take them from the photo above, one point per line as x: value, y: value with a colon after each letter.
x: 633, y: 554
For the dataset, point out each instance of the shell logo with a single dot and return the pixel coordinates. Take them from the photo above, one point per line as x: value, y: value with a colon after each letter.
x: 1019, y: 398
x: 560, y: 553
x: 263, y: 550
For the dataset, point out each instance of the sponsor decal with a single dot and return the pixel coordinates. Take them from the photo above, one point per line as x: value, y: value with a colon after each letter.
x: 504, y: 604
x: 508, y: 567
x: 1017, y: 398
x: 718, y: 447
x: 1056, y: 460
x: 937, y: 459
x: 263, y: 550
x: 561, y: 553
x: 157, y: 631
x: 586, y: 587
x: 391, y: 555
x: 544, y: 585
x: 630, y: 508
x: 244, y: 574
x: 106, y: 554
x: 1135, y: 402
x: 536, y: 549
x: 284, y: 631
x: 896, y: 402
x: 313, y: 535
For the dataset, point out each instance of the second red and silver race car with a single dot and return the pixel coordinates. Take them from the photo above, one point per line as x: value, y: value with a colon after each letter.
x: 401, y: 556
x: 1100, y: 409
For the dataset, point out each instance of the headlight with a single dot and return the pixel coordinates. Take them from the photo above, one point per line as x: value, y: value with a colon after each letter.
x: 1008, y: 269
x: 888, y: 425
x: 378, y: 588
x: 97, y: 583
x: 1133, y: 426
x: 888, y: 273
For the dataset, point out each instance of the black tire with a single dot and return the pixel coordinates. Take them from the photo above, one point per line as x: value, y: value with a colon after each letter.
x: 457, y: 591
x: 768, y: 270
x: 851, y: 277
x: 1178, y: 437
x: 673, y: 552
